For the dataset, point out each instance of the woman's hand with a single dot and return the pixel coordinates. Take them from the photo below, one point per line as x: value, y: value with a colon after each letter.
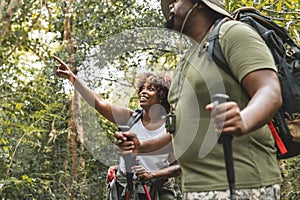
x: 142, y: 173
x: 63, y: 70
x: 126, y: 143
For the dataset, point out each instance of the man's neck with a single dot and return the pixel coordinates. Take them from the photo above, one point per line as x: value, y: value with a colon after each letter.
x: 198, y: 26
x: 199, y: 31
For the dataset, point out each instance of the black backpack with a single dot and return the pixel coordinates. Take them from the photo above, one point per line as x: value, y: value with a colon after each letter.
x: 285, y: 125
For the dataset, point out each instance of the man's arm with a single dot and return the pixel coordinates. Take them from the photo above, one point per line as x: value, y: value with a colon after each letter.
x: 264, y: 89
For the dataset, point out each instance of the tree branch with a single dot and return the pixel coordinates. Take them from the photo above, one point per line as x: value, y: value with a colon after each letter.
x: 6, y: 21
x: 23, y: 38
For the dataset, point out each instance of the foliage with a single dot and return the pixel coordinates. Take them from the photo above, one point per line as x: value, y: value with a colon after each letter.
x: 35, y: 133
x: 291, y: 183
x: 35, y: 117
x: 34, y: 113
x: 285, y: 13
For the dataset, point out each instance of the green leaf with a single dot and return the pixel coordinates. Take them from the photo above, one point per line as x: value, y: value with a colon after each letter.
x: 19, y: 106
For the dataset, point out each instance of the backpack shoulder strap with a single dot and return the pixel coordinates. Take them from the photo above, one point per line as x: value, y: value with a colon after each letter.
x: 136, y: 115
x: 214, y: 49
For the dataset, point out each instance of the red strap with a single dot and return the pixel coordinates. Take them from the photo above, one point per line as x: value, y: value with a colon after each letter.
x: 277, y: 139
x: 146, y: 192
x: 111, y: 173
x: 127, y: 194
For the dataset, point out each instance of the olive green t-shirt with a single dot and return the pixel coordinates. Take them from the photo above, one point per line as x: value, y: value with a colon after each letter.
x: 195, y: 80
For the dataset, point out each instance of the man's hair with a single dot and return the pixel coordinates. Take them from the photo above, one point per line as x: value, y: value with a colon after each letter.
x: 161, y: 81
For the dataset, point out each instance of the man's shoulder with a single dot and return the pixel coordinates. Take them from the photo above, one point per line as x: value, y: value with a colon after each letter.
x: 234, y: 26
x: 238, y: 31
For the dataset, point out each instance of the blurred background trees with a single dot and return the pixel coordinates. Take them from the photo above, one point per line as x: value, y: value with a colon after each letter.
x: 44, y: 150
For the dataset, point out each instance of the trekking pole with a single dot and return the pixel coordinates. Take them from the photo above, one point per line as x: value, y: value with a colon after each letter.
x: 129, y: 159
x: 129, y: 162
x: 226, y: 140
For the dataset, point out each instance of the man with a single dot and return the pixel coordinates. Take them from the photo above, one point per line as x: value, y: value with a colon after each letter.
x: 254, y: 97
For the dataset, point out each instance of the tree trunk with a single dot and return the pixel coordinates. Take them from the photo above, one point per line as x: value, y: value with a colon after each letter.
x: 76, y: 130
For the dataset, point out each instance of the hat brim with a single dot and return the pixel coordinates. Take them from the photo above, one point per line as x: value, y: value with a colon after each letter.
x: 166, y: 12
x: 217, y: 8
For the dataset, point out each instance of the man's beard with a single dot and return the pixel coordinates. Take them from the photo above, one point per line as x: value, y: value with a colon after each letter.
x: 170, y: 22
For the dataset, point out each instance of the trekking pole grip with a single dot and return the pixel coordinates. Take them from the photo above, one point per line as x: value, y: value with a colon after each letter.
x: 218, y: 99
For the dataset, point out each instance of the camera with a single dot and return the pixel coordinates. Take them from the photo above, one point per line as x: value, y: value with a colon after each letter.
x: 171, y: 123
x: 123, y: 128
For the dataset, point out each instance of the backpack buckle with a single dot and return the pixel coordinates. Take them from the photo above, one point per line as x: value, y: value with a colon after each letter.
x: 290, y: 52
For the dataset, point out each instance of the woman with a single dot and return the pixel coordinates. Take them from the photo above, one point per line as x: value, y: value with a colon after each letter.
x: 152, y: 92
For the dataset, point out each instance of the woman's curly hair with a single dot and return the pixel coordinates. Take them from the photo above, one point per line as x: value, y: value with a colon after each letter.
x: 161, y: 80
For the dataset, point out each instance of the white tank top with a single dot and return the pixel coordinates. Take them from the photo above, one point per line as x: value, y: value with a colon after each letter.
x: 152, y: 162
